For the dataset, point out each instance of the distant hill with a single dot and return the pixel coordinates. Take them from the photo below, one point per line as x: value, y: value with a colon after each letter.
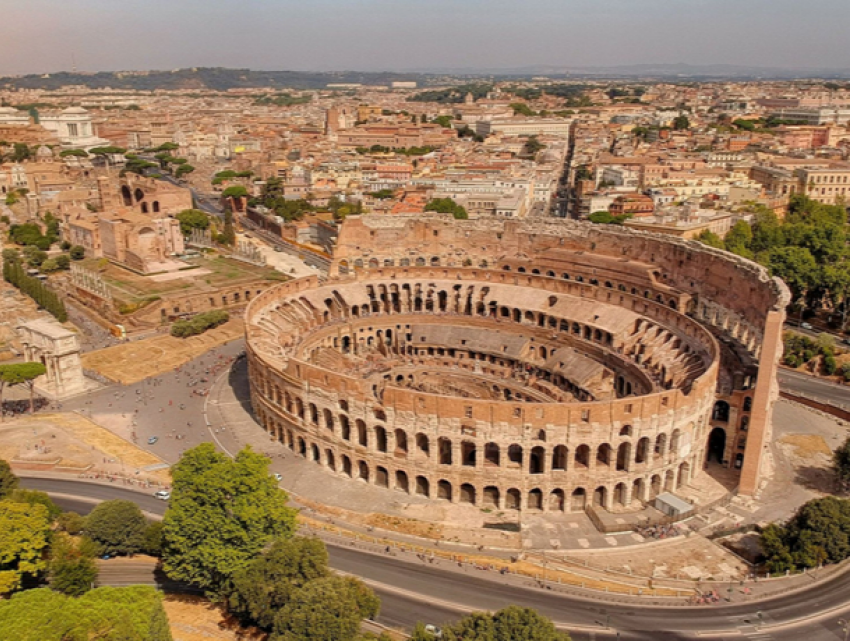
x: 201, y: 78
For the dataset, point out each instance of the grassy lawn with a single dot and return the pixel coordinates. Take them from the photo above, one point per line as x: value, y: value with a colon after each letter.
x: 131, y: 287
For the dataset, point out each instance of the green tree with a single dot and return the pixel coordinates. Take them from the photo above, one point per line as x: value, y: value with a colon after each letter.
x: 513, y: 623
x: 841, y: 464
x: 522, y: 109
x: 681, y: 122
x: 118, y: 527
x: 81, y: 153
x: 24, y: 534
x: 192, y: 219
x: 795, y: 265
x: 8, y: 480
x: 72, y: 568
x: 327, y: 609
x: 228, y: 235
x: 447, y: 206
x: 235, y: 191
x: 78, y: 252
x: 152, y: 540
x: 269, y: 582
x: 71, y: 522
x: 708, y: 237
x: 183, y: 169
x: 738, y: 239
x: 105, y: 614
x: 36, y: 497
x: 21, y: 374
x: 222, y: 513
x: 443, y: 121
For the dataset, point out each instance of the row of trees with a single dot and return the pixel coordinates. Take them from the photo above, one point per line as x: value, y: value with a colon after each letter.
x: 14, y: 274
x: 199, y: 323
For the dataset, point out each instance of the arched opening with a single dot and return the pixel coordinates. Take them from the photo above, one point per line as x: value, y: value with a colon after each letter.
x: 512, y: 499
x: 302, y: 447
x: 603, y: 455
x: 559, y: 457
x: 423, y: 487
x: 670, y: 481
x: 329, y: 419
x: 716, y: 445
x: 491, y: 455
x: 535, y: 500
x: 380, y: 438
x: 345, y: 427
x: 684, y: 475
x: 382, y: 479
x: 314, y: 453
x: 620, y: 494
x: 467, y: 454
x: 363, y: 471
x: 444, y: 446
x: 655, y: 486
x: 638, y: 489
x: 126, y: 196
x: 583, y: 456
x: 660, y: 445
x: 401, y: 481
x: 624, y: 455
x: 721, y: 411
x: 578, y: 500
x: 362, y: 436
x: 515, y: 455
x: 139, y: 195
x: 401, y: 443
x: 346, y: 465
x: 422, y: 444
x: 467, y: 494
x: 330, y: 460
x: 491, y: 496
x: 642, y: 450
x: 444, y: 490
x: 556, y: 501
x: 600, y: 496
x: 537, y: 461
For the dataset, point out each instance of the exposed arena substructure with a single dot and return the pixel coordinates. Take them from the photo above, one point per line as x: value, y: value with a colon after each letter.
x: 541, y: 365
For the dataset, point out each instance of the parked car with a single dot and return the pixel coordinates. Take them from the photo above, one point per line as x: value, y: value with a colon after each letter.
x: 434, y: 631
x: 152, y: 440
x: 278, y: 477
x: 806, y: 326
x: 163, y: 495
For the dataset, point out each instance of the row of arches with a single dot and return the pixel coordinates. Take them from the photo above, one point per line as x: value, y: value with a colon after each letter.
x: 576, y: 499
x: 538, y: 459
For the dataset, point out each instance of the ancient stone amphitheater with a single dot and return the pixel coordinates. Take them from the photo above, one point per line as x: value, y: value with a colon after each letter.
x: 539, y: 365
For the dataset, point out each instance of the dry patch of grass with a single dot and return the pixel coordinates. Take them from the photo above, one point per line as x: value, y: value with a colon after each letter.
x: 132, y: 362
x: 193, y: 618
x: 807, y: 446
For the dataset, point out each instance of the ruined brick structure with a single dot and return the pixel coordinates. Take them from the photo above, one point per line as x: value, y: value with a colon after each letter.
x: 534, y: 365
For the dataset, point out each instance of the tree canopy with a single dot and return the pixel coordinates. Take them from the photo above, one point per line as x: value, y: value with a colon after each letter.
x: 447, y: 206
x: 269, y: 582
x: 8, y: 480
x: 819, y: 532
x: 222, y: 513
x: 513, y: 623
x: 235, y: 191
x: 327, y: 609
x: 118, y: 527
x: 24, y: 535
x: 110, y: 614
x: 192, y: 219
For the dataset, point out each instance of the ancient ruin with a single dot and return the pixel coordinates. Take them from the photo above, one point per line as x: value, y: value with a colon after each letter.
x: 535, y: 365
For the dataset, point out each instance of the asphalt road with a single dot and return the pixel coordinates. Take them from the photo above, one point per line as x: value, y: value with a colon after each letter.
x: 412, y: 592
x: 813, y: 387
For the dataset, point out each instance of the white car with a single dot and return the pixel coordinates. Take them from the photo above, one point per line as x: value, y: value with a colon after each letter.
x: 434, y: 631
x: 278, y: 478
x: 163, y: 495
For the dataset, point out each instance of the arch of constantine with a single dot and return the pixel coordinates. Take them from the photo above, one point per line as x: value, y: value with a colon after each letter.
x: 535, y: 365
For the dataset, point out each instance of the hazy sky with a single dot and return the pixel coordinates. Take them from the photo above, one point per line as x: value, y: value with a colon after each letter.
x: 41, y: 35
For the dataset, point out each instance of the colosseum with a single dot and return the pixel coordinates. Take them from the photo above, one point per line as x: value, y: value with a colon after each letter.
x: 533, y: 365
